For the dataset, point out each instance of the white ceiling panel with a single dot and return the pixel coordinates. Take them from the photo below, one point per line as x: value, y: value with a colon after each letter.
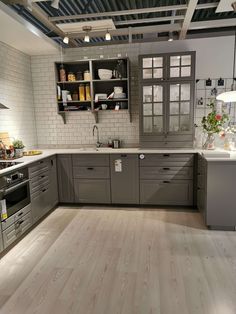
x: 22, y: 35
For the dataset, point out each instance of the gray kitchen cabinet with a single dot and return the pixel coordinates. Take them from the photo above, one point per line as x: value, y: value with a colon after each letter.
x: 1, y: 241
x: 166, y: 179
x: 91, y: 174
x: 53, y: 188
x: 65, y: 178
x: 17, y: 229
x: 216, y: 196
x: 93, y: 191
x: 167, y: 99
x: 124, y: 178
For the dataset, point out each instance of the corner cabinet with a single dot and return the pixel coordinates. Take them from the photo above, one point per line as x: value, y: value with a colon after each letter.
x: 84, y: 87
x: 167, y: 99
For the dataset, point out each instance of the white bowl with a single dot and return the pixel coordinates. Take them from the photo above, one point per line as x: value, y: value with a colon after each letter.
x: 105, y: 76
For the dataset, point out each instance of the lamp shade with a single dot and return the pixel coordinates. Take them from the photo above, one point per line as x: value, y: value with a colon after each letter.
x: 227, y: 96
x: 3, y: 106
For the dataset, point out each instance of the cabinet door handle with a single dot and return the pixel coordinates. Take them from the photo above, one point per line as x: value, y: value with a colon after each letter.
x: 52, y: 162
x: 42, y: 176
x: 44, y: 190
x: 123, y: 155
x: 166, y: 168
x: 20, y: 214
x: 166, y: 155
x: 90, y: 168
x: 166, y: 181
x: 41, y: 162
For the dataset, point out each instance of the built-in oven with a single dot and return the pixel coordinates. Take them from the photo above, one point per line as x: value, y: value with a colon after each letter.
x: 14, y: 192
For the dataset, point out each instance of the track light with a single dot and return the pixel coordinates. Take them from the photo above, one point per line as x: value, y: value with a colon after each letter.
x: 66, y: 40
x: 107, y: 36
x: 171, y: 38
x: 55, y: 4
x: 87, y: 29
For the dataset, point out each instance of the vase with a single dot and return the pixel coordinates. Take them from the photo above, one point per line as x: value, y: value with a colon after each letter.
x: 19, y: 152
x: 209, y: 142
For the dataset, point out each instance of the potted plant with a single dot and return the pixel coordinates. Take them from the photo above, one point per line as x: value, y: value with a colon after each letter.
x: 212, y: 124
x: 18, y: 147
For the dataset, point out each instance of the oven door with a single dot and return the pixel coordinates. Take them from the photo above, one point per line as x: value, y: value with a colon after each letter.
x: 16, y: 197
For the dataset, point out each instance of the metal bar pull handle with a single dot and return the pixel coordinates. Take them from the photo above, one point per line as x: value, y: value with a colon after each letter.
x: 165, y: 168
x: 15, y: 187
x: 166, y: 155
x: 166, y: 181
x: 90, y: 168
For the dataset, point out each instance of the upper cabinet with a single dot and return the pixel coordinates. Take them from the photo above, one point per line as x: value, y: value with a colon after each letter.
x: 167, y: 66
x: 167, y: 100
x: 93, y: 85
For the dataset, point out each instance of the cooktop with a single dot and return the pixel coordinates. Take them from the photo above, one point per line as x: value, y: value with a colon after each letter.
x: 7, y: 164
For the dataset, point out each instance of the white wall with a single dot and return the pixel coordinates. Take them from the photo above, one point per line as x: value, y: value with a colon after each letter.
x: 16, y: 92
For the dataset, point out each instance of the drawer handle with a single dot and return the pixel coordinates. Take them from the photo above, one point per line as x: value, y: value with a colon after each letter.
x: 20, y: 222
x: 41, y: 162
x: 20, y: 214
x: 42, y: 177
x: 166, y: 181
x: 90, y: 168
x: 44, y: 190
x: 166, y: 155
x: 123, y: 155
x: 166, y: 168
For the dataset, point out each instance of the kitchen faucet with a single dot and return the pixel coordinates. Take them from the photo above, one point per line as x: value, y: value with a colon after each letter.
x: 98, y: 143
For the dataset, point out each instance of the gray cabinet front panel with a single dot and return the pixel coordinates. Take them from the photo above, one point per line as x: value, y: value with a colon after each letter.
x: 90, y: 160
x: 166, y: 173
x: 175, y: 192
x: 65, y: 179
x: 40, y: 204
x: 91, y: 172
x: 53, y: 182
x: 1, y: 241
x: 92, y: 191
x: 167, y: 160
x: 125, y: 184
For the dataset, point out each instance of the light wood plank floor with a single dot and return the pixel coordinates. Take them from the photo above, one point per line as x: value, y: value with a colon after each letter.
x: 110, y: 261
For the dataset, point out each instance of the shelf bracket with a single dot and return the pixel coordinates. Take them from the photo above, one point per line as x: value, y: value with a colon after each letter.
x: 63, y: 116
x: 95, y: 114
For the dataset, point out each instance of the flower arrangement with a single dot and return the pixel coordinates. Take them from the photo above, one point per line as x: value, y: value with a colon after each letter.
x: 18, y: 144
x: 213, y: 123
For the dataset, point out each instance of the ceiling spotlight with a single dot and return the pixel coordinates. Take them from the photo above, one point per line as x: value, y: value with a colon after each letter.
x: 66, y: 40
x: 171, y: 38
x: 87, y: 29
x: 107, y: 36
x: 55, y: 4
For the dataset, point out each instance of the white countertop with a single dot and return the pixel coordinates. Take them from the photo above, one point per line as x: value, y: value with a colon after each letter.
x: 214, y: 156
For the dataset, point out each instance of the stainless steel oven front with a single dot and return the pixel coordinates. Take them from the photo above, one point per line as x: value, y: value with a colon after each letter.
x: 14, y: 192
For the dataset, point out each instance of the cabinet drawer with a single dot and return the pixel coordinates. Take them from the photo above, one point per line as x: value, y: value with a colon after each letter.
x: 39, y: 167
x: 16, y: 216
x: 166, y: 173
x: 40, y: 204
x: 167, y: 160
x: 18, y: 228
x: 163, y: 192
x: 43, y: 173
x: 40, y: 184
x: 40, y: 190
x: 91, y: 172
x: 90, y: 160
x: 92, y: 191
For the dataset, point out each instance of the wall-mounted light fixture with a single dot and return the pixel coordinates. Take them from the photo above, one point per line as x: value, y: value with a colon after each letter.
x: 66, y: 40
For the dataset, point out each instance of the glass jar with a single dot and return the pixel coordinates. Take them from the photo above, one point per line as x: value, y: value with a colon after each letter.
x: 79, y: 76
x: 62, y: 73
x: 87, y: 75
x: 75, y: 96
x: 71, y: 77
x: 87, y: 92
x: 81, y: 92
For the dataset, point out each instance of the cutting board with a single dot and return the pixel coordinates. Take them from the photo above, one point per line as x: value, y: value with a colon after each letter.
x: 5, y: 138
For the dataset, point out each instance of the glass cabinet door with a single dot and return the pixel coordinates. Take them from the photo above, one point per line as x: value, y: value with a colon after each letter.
x: 179, y: 108
x: 180, y: 66
x: 152, y: 108
x: 153, y: 68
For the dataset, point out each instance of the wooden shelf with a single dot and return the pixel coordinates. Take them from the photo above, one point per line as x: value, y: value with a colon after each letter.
x: 74, y: 101
x: 111, y: 100
x: 72, y: 82
x: 111, y: 80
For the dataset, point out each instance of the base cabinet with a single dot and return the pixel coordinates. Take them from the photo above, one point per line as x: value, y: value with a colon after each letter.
x: 164, y: 192
x: 95, y: 191
x: 124, y: 179
x: 18, y: 228
x: 65, y: 179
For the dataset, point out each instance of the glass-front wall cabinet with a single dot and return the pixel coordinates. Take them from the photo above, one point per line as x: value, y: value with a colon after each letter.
x: 167, y: 90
